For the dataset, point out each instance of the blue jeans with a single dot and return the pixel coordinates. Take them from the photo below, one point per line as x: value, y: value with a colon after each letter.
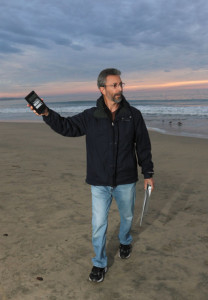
x: 101, y: 202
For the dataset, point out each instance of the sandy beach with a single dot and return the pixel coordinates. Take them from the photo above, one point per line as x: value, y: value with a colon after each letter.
x: 45, y: 223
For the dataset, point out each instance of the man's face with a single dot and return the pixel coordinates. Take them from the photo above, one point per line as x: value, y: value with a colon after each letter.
x: 113, y: 89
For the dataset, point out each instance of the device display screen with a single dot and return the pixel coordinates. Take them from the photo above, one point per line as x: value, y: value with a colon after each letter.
x: 36, y: 102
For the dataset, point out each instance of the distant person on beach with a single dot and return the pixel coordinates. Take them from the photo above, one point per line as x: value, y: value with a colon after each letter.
x: 117, y: 141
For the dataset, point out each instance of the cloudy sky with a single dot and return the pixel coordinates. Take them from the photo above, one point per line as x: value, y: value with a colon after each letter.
x: 58, y: 47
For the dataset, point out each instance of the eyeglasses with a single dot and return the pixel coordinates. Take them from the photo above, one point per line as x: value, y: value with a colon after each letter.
x: 116, y: 85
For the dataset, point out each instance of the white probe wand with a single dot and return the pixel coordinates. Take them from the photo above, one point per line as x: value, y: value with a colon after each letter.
x: 147, y: 194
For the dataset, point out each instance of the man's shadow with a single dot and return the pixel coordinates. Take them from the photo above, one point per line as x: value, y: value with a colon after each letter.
x: 113, y: 243
x: 112, y: 246
x: 153, y: 214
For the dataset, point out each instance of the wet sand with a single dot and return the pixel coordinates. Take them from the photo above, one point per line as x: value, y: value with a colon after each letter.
x: 45, y: 224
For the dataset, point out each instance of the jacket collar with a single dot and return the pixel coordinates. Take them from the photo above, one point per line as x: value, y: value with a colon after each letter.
x: 102, y: 110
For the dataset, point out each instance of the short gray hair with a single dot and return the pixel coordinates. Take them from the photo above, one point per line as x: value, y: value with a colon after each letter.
x: 101, y: 80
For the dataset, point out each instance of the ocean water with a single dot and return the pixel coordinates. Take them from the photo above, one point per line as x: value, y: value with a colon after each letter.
x: 176, y: 117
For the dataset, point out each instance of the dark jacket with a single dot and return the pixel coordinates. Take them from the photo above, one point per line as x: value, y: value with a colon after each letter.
x: 112, y: 146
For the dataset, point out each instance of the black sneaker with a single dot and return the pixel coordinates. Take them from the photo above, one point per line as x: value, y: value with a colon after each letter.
x: 97, y: 274
x: 125, y: 251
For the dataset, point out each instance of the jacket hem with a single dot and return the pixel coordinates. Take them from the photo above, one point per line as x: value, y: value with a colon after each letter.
x: 110, y: 184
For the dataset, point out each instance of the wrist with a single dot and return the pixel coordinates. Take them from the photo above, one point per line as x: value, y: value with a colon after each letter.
x: 46, y: 112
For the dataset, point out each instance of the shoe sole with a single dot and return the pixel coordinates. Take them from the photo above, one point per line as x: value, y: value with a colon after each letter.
x: 124, y: 257
x: 101, y: 279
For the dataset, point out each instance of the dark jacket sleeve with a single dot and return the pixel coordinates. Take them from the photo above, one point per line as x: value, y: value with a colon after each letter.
x: 143, y: 145
x: 72, y: 126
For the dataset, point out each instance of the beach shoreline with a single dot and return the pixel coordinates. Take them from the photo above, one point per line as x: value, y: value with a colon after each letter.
x: 46, y: 221
x: 174, y: 117
x: 164, y: 131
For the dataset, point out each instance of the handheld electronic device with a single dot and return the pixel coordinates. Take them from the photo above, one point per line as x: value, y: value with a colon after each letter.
x: 33, y: 99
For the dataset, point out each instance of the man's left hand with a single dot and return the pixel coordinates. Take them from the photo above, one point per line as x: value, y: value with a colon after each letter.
x: 149, y: 181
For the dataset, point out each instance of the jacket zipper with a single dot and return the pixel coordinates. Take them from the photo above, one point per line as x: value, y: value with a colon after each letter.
x: 114, y: 162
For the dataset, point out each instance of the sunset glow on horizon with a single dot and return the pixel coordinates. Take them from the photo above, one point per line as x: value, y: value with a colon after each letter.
x: 85, y: 88
x: 189, y: 84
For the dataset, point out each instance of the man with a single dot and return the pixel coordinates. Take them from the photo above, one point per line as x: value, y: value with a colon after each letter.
x: 116, y: 138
